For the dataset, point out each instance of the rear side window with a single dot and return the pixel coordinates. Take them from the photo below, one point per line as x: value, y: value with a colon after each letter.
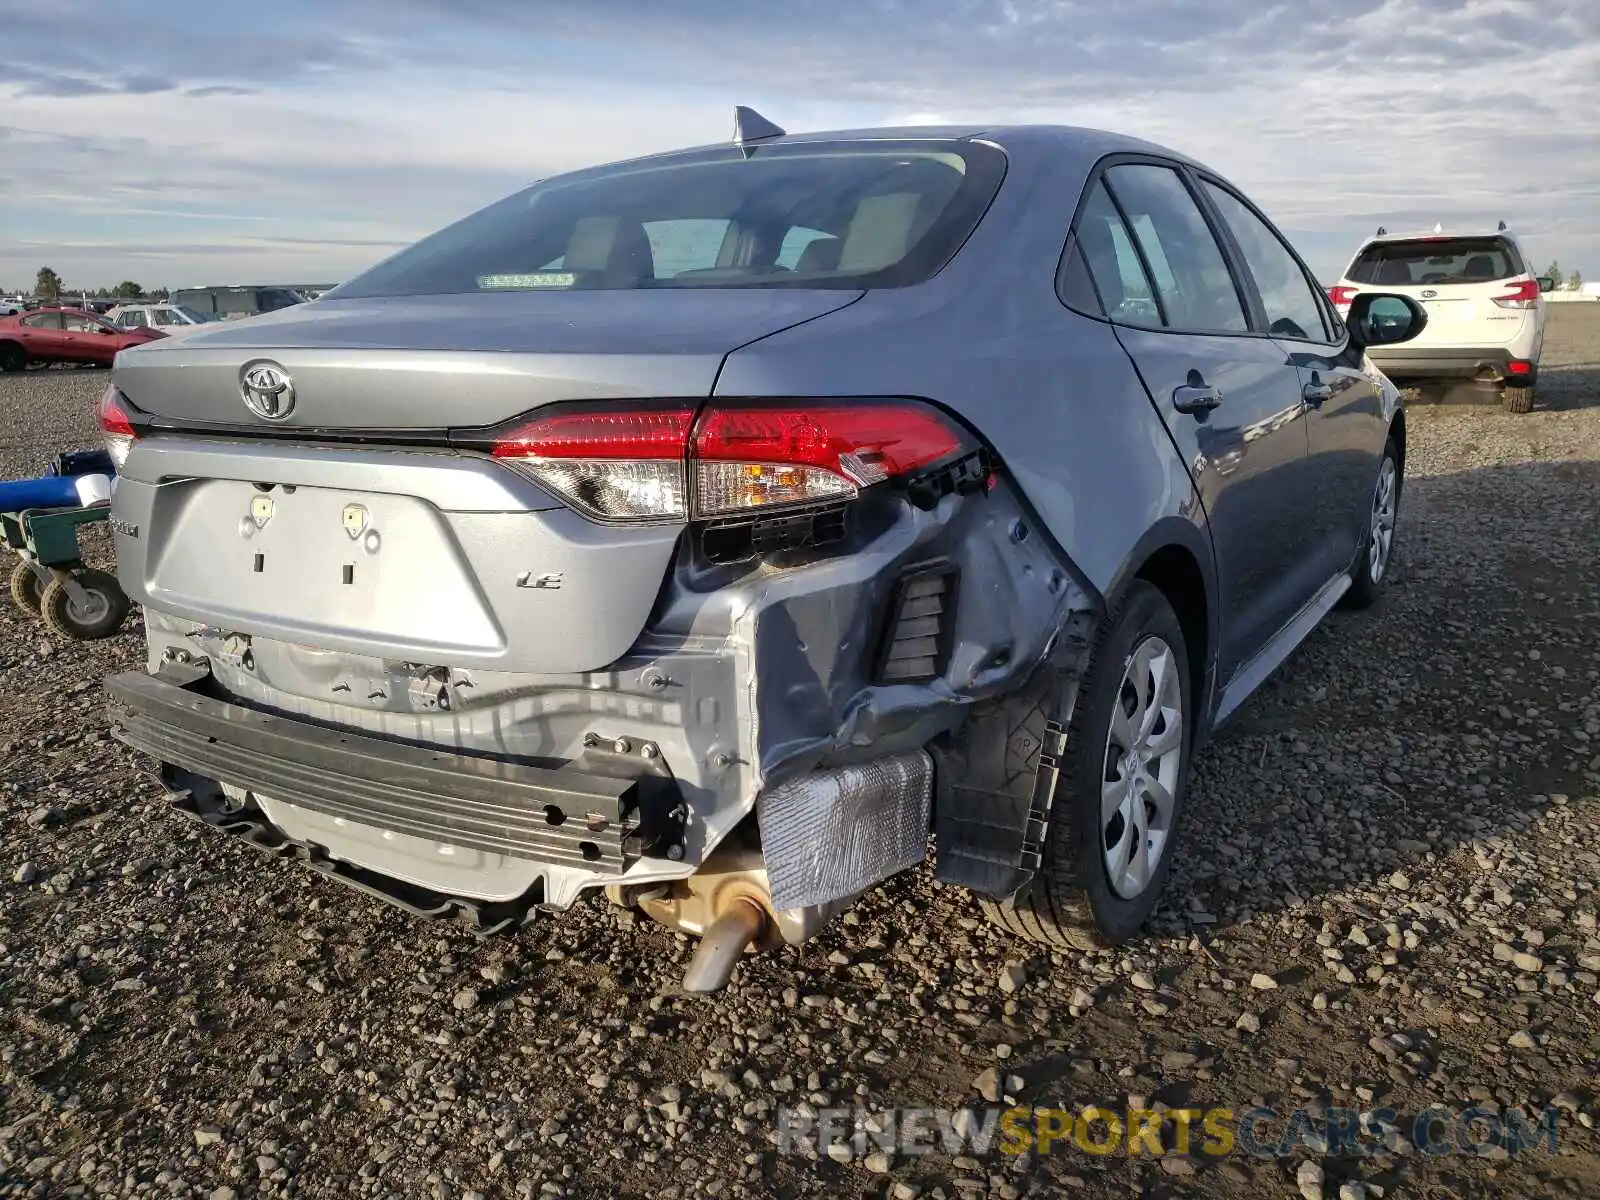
x: 1437, y: 260
x: 1191, y: 276
x: 1103, y: 244
x: 43, y: 321
x: 1287, y: 295
x: 804, y: 215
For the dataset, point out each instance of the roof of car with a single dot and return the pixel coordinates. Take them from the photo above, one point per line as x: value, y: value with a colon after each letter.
x: 1441, y: 235
x: 1086, y: 143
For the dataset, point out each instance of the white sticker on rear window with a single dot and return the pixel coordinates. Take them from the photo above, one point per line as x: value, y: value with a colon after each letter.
x: 536, y: 279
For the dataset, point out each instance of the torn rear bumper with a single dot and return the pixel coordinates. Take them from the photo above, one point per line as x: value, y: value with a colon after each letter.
x: 576, y: 827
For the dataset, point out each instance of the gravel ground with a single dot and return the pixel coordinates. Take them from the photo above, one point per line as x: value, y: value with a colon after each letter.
x: 1387, y: 899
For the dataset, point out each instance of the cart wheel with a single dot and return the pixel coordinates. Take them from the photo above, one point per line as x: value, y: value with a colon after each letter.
x: 25, y: 588
x: 102, y: 614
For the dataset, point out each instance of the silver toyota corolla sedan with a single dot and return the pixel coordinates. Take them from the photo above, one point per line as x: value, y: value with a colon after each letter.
x: 711, y: 528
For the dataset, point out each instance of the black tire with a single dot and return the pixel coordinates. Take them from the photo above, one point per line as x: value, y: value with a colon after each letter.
x: 1365, y: 587
x: 1516, y: 399
x: 102, y: 618
x: 13, y: 357
x: 25, y: 588
x: 1071, y: 902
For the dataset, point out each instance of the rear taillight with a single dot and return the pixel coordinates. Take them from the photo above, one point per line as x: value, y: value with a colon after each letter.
x: 794, y: 454
x: 1341, y: 296
x: 613, y: 463
x: 1524, y: 293
x: 633, y: 463
x: 116, y: 424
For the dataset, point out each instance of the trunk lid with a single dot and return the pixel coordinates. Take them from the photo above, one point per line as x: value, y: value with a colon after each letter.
x: 398, y: 550
x: 435, y: 361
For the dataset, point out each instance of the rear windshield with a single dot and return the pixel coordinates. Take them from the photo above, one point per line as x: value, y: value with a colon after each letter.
x: 815, y: 215
x: 1437, y: 260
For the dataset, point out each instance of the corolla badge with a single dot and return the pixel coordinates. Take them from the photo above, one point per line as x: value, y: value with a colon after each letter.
x: 267, y: 389
x: 1428, y: 293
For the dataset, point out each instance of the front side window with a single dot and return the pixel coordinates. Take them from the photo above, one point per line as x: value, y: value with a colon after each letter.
x: 73, y: 323
x: 1191, y: 276
x: 885, y: 214
x: 1286, y: 294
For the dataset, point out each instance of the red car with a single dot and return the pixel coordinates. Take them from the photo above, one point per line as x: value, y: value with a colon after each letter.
x: 64, y: 335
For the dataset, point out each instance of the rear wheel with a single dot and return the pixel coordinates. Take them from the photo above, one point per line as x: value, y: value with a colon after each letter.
x: 98, y: 615
x: 1120, y: 789
x: 12, y: 357
x: 1371, y: 571
x: 25, y: 588
x: 1517, y: 399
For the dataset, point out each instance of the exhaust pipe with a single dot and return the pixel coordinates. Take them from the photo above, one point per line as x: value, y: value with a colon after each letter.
x: 730, y: 935
x: 728, y: 905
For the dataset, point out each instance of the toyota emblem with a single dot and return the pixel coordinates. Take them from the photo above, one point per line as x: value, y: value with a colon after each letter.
x: 267, y: 389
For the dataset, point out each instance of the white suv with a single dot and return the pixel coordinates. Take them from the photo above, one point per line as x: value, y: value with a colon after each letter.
x: 1485, y: 314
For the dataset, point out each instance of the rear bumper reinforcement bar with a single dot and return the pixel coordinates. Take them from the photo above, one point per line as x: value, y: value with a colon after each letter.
x: 202, y: 800
x: 558, y: 815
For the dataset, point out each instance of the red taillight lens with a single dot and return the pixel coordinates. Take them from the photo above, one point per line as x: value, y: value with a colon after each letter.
x: 1518, y: 367
x: 1341, y: 296
x: 116, y: 424
x: 1524, y: 293
x: 113, y: 414
x: 794, y: 454
x: 601, y: 433
x: 627, y: 463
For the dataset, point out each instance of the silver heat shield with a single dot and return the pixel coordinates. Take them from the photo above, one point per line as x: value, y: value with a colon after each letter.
x: 833, y: 834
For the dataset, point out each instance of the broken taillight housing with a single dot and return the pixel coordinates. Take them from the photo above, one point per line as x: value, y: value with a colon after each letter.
x: 641, y: 463
x: 116, y: 425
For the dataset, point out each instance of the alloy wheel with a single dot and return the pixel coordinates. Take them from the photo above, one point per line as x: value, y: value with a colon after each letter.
x: 1144, y: 752
x: 1383, y: 516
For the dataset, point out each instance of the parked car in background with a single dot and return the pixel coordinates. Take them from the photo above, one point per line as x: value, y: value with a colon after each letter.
x: 172, y: 319
x: 64, y: 335
x: 1485, y: 310
x: 230, y: 303
x: 10, y: 306
x: 706, y: 528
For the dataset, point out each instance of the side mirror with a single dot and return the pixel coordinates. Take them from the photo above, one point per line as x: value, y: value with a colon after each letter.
x: 1384, y: 319
x: 1546, y: 284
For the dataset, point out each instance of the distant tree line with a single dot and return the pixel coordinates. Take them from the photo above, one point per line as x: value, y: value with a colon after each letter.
x: 1574, y: 281
x: 47, y: 286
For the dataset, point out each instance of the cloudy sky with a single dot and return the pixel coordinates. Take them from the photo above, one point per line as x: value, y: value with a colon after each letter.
x: 186, y: 142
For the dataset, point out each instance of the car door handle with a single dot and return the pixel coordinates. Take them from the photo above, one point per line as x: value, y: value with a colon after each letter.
x: 1192, y: 398
x: 1316, y: 393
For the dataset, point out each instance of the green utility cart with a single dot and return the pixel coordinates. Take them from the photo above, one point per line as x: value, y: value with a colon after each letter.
x: 50, y: 579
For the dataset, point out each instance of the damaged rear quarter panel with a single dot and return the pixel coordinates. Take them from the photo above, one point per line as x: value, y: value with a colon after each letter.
x: 1089, y: 483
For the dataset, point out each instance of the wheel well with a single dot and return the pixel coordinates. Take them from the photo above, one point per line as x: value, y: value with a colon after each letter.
x: 1397, y: 431
x: 1174, y: 571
